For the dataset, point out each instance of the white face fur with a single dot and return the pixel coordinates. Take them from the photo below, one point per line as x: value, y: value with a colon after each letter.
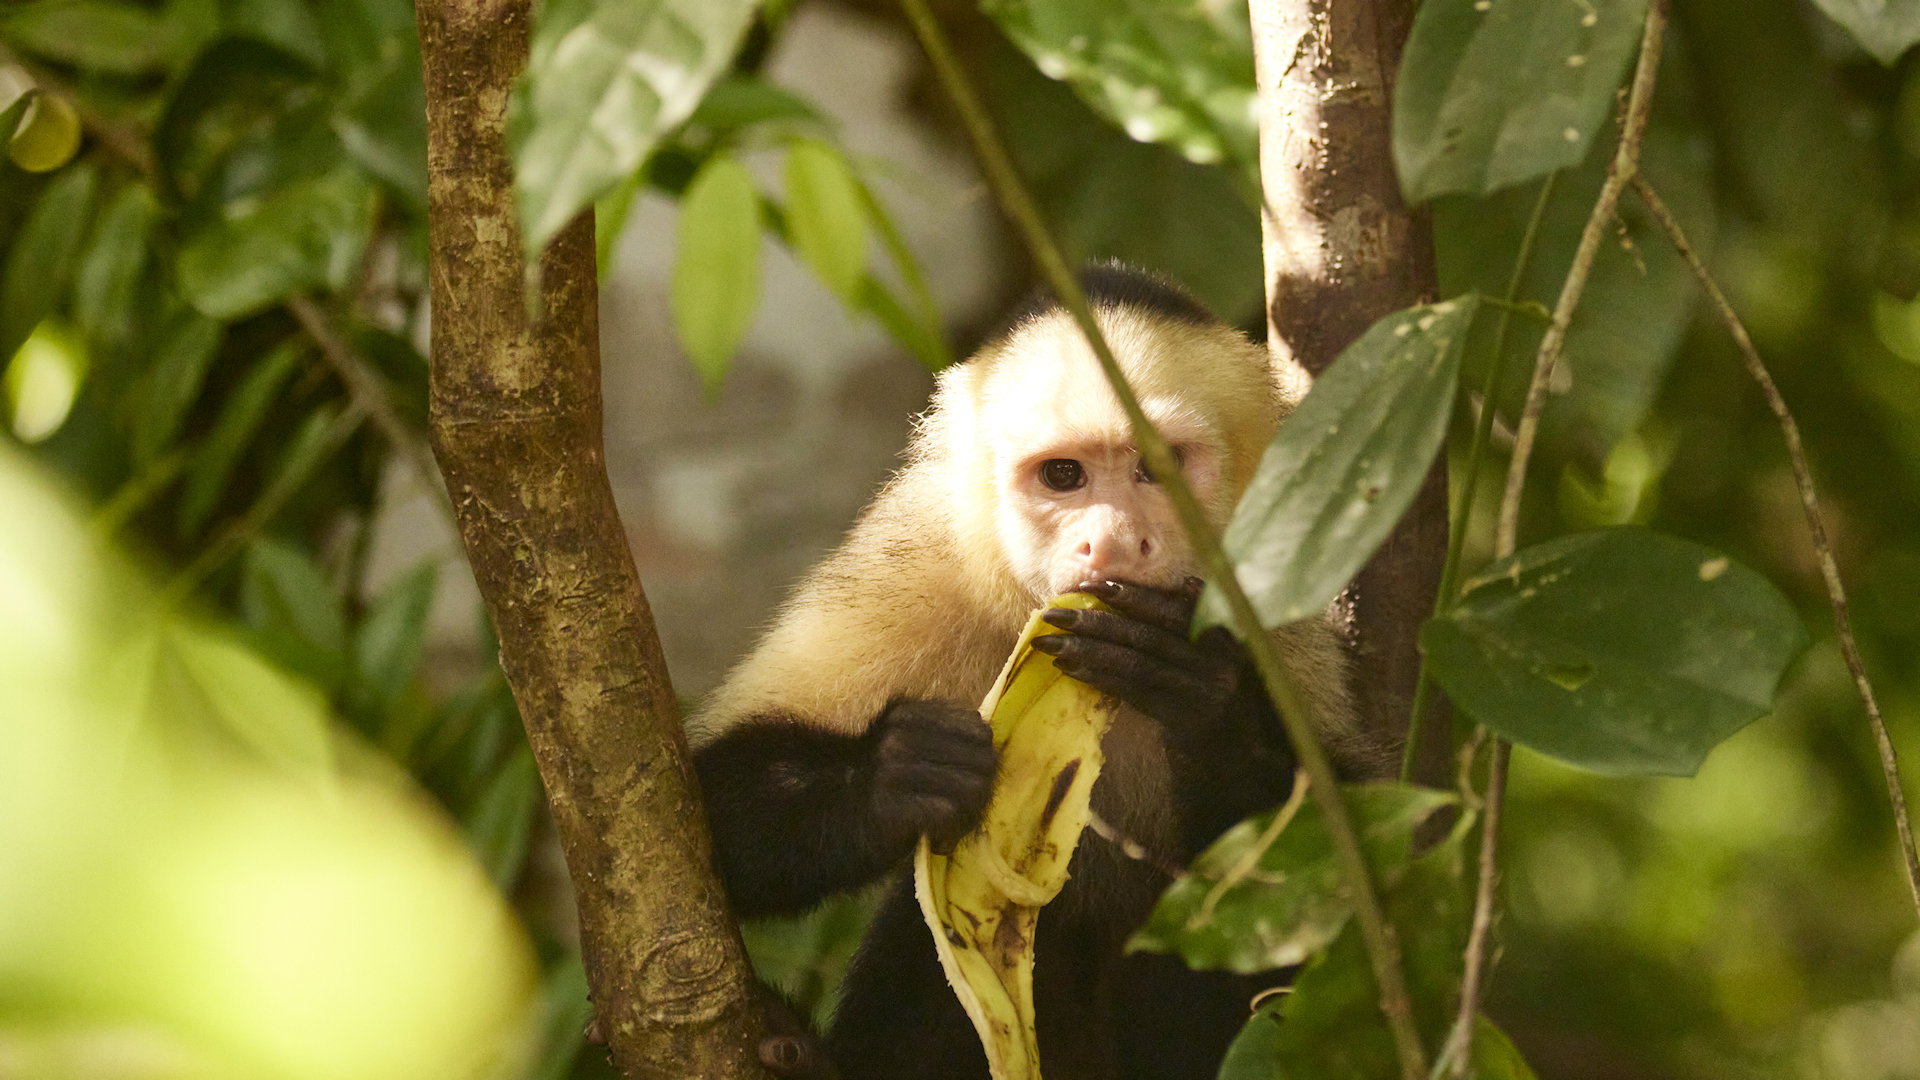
x: 1087, y: 511
x: 1036, y: 426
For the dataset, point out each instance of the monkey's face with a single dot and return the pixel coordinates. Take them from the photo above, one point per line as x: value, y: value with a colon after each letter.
x: 1077, y: 511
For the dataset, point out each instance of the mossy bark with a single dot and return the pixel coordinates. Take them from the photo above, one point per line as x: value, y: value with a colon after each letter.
x: 1342, y: 250
x: 516, y: 428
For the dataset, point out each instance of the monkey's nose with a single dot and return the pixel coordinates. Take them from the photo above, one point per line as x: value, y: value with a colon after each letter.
x: 1126, y: 558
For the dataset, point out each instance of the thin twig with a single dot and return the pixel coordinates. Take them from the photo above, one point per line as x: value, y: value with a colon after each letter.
x: 1250, y: 859
x: 1625, y: 164
x: 1383, y: 948
x: 368, y: 391
x: 1816, y: 524
x: 1482, y: 436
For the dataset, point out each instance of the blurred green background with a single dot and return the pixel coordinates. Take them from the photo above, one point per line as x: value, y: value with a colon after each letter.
x: 265, y: 806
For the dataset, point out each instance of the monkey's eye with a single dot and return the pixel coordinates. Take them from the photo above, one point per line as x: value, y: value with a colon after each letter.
x: 1144, y: 475
x: 1062, y: 474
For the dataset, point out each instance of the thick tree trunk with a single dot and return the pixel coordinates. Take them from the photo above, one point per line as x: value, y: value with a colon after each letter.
x: 1342, y: 250
x: 516, y: 426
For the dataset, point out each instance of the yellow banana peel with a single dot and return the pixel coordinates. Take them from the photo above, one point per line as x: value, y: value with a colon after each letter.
x: 983, y: 901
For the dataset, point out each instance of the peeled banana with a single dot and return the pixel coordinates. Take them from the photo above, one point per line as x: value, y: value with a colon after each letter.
x: 983, y: 901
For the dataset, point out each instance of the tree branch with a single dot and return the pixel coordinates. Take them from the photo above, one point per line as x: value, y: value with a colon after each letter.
x: 1342, y: 250
x: 1816, y: 524
x: 368, y: 391
x: 1383, y: 948
x: 516, y: 427
x: 1626, y: 163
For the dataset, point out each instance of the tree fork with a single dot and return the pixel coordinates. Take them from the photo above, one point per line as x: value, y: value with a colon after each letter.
x: 1342, y: 250
x: 516, y: 428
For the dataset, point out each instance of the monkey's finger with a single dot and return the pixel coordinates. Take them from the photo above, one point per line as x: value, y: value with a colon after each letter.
x: 794, y: 1057
x: 1116, y: 669
x: 1169, y: 609
x: 1168, y: 647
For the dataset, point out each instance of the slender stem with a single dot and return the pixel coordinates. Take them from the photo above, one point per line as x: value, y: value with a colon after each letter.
x: 1383, y: 948
x: 1626, y: 163
x: 1816, y: 524
x: 1482, y: 434
x: 369, y: 394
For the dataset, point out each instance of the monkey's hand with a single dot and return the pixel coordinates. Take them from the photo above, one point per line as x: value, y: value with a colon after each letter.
x: 1217, y: 722
x: 933, y: 765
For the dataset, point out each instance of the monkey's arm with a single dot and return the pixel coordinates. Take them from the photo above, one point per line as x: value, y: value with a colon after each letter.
x: 799, y: 813
x: 1228, y: 752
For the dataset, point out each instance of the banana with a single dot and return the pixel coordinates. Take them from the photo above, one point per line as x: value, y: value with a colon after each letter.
x: 983, y: 901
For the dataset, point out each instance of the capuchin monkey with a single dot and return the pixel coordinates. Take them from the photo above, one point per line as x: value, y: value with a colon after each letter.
x: 853, y: 727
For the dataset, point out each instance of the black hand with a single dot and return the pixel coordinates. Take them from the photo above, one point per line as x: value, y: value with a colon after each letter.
x: 933, y: 764
x: 1140, y: 653
x: 1229, y: 753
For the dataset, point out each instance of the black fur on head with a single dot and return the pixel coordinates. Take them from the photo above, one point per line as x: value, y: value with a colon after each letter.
x: 1111, y: 283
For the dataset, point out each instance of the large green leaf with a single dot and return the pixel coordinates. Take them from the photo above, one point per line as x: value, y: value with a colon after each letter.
x: 826, y: 217
x: 1288, y: 904
x: 1168, y: 71
x: 1494, y: 94
x: 41, y: 258
x: 1885, y: 28
x: 285, y: 24
x: 716, y: 280
x: 122, y: 38
x: 307, y: 235
x: 1619, y: 650
x: 1329, y: 1027
x: 1346, y: 464
x: 606, y: 79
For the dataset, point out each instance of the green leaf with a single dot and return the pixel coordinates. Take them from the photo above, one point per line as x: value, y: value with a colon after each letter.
x: 285, y: 24
x: 1345, y: 465
x: 1634, y: 311
x: 1329, y: 1026
x: 389, y: 642
x: 307, y: 235
x: 296, y: 611
x: 41, y: 257
x: 501, y: 821
x: 198, y: 676
x: 247, y: 118
x: 923, y: 335
x: 124, y: 39
x: 233, y: 431
x: 11, y: 116
x: 1289, y: 904
x: 826, y: 217
x: 1885, y: 28
x: 1494, y: 94
x: 1620, y: 650
x: 742, y: 101
x: 172, y: 384
x: 1494, y: 1055
x: 716, y: 280
x: 605, y: 80
x: 107, y: 282
x: 1166, y: 71
x: 384, y: 126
